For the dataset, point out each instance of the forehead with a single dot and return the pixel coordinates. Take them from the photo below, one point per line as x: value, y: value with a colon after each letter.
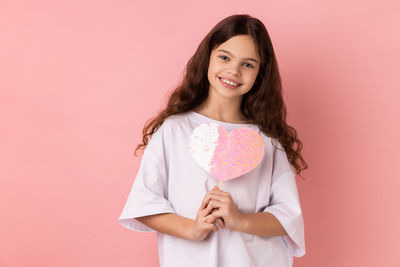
x: 241, y: 46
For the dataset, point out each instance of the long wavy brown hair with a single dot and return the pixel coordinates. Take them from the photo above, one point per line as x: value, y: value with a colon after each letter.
x: 262, y: 105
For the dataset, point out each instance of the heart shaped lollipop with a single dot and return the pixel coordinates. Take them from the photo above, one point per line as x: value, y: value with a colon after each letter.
x: 226, y: 155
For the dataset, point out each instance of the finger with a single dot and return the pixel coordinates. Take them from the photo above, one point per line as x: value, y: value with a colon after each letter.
x: 210, y: 226
x: 220, y: 221
x: 206, y: 211
x: 220, y: 193
x: 211, y: 218
x: 216, y: 217
x: 206, y: 199
x: 219, y: 197
x: 211, y: 208
x: 205, y: 202
x: 215, y: 203
x: 216, y: 193
x: 214, y: 227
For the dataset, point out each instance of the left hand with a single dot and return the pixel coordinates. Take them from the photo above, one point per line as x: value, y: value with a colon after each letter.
x: 223, y: 206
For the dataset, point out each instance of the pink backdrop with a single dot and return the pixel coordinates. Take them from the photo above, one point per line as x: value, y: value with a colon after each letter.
x: 78, y: 80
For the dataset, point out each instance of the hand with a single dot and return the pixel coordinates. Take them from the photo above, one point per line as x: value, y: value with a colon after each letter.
x: 223, y: 206
x: 204, y: 222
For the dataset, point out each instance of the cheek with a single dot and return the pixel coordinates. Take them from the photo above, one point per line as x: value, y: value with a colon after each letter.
x: 253, y: 77
x: 211, y: 67
x: 213, y: 71
x: 210, y: 74
x: 214, y: 68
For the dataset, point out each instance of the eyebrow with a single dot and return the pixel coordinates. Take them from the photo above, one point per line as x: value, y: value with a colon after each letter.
x: 249, y: 58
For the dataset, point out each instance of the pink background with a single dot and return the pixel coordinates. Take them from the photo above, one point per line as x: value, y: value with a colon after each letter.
x: 79, y: 79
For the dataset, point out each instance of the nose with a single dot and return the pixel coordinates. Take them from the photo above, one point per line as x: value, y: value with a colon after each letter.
x: 233, y: 69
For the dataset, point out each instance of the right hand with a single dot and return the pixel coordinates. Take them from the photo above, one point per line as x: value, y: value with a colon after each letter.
x: 204, y: 222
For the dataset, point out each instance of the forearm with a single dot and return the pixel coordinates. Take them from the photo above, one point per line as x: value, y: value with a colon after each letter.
x: 168, y: 223
x: 261, y: 224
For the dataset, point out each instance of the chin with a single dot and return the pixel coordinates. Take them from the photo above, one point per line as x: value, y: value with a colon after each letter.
x: 229, y: 94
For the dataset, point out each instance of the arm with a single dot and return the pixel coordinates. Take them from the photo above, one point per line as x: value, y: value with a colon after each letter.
x: 261, y: 224
x: 168, y: 223
x: 186, y: 228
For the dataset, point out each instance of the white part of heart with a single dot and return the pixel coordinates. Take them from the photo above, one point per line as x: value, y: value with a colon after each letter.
x: 205, y: 136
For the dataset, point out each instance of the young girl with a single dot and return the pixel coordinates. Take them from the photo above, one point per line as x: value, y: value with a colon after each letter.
x: 255, y: 219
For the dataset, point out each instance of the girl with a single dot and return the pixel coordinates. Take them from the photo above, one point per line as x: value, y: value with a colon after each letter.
x: 256, y: 220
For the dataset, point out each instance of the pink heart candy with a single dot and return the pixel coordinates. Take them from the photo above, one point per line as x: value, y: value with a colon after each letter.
x: 226, y: 155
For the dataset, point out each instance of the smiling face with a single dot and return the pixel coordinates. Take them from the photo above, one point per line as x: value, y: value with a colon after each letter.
x: 237, y: 61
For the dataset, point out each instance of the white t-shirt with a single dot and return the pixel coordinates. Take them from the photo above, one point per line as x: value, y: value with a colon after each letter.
x: 170, y: 181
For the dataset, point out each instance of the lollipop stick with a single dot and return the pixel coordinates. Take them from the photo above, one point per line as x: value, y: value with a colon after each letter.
x: 220, y: 185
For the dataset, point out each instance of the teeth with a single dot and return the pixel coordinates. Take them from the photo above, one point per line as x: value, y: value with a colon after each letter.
x: 229, y: 82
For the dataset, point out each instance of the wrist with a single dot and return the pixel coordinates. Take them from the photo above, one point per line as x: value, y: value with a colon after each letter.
x: 189, y: 230
x: 243, y: 223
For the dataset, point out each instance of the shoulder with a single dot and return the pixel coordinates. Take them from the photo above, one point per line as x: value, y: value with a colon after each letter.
x: 169, y: 128
x: 271, y: 143
x: 280, y: 158
x: 171, y: 124
x: 276, y: 152
x: 175, y: 120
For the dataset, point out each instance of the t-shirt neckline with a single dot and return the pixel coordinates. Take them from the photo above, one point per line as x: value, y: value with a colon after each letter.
x: 204, y: 118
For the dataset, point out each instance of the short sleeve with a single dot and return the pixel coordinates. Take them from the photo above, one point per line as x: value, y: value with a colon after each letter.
x: 147, y: 195
x: 284, y: 203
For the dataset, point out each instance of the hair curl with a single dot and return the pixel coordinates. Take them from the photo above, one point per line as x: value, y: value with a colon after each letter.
x: 263, y: 105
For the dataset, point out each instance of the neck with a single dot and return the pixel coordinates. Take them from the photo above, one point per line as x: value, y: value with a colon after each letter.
x: 226, y: 110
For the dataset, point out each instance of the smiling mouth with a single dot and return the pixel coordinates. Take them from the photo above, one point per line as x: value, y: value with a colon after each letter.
x: 229, y: 83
